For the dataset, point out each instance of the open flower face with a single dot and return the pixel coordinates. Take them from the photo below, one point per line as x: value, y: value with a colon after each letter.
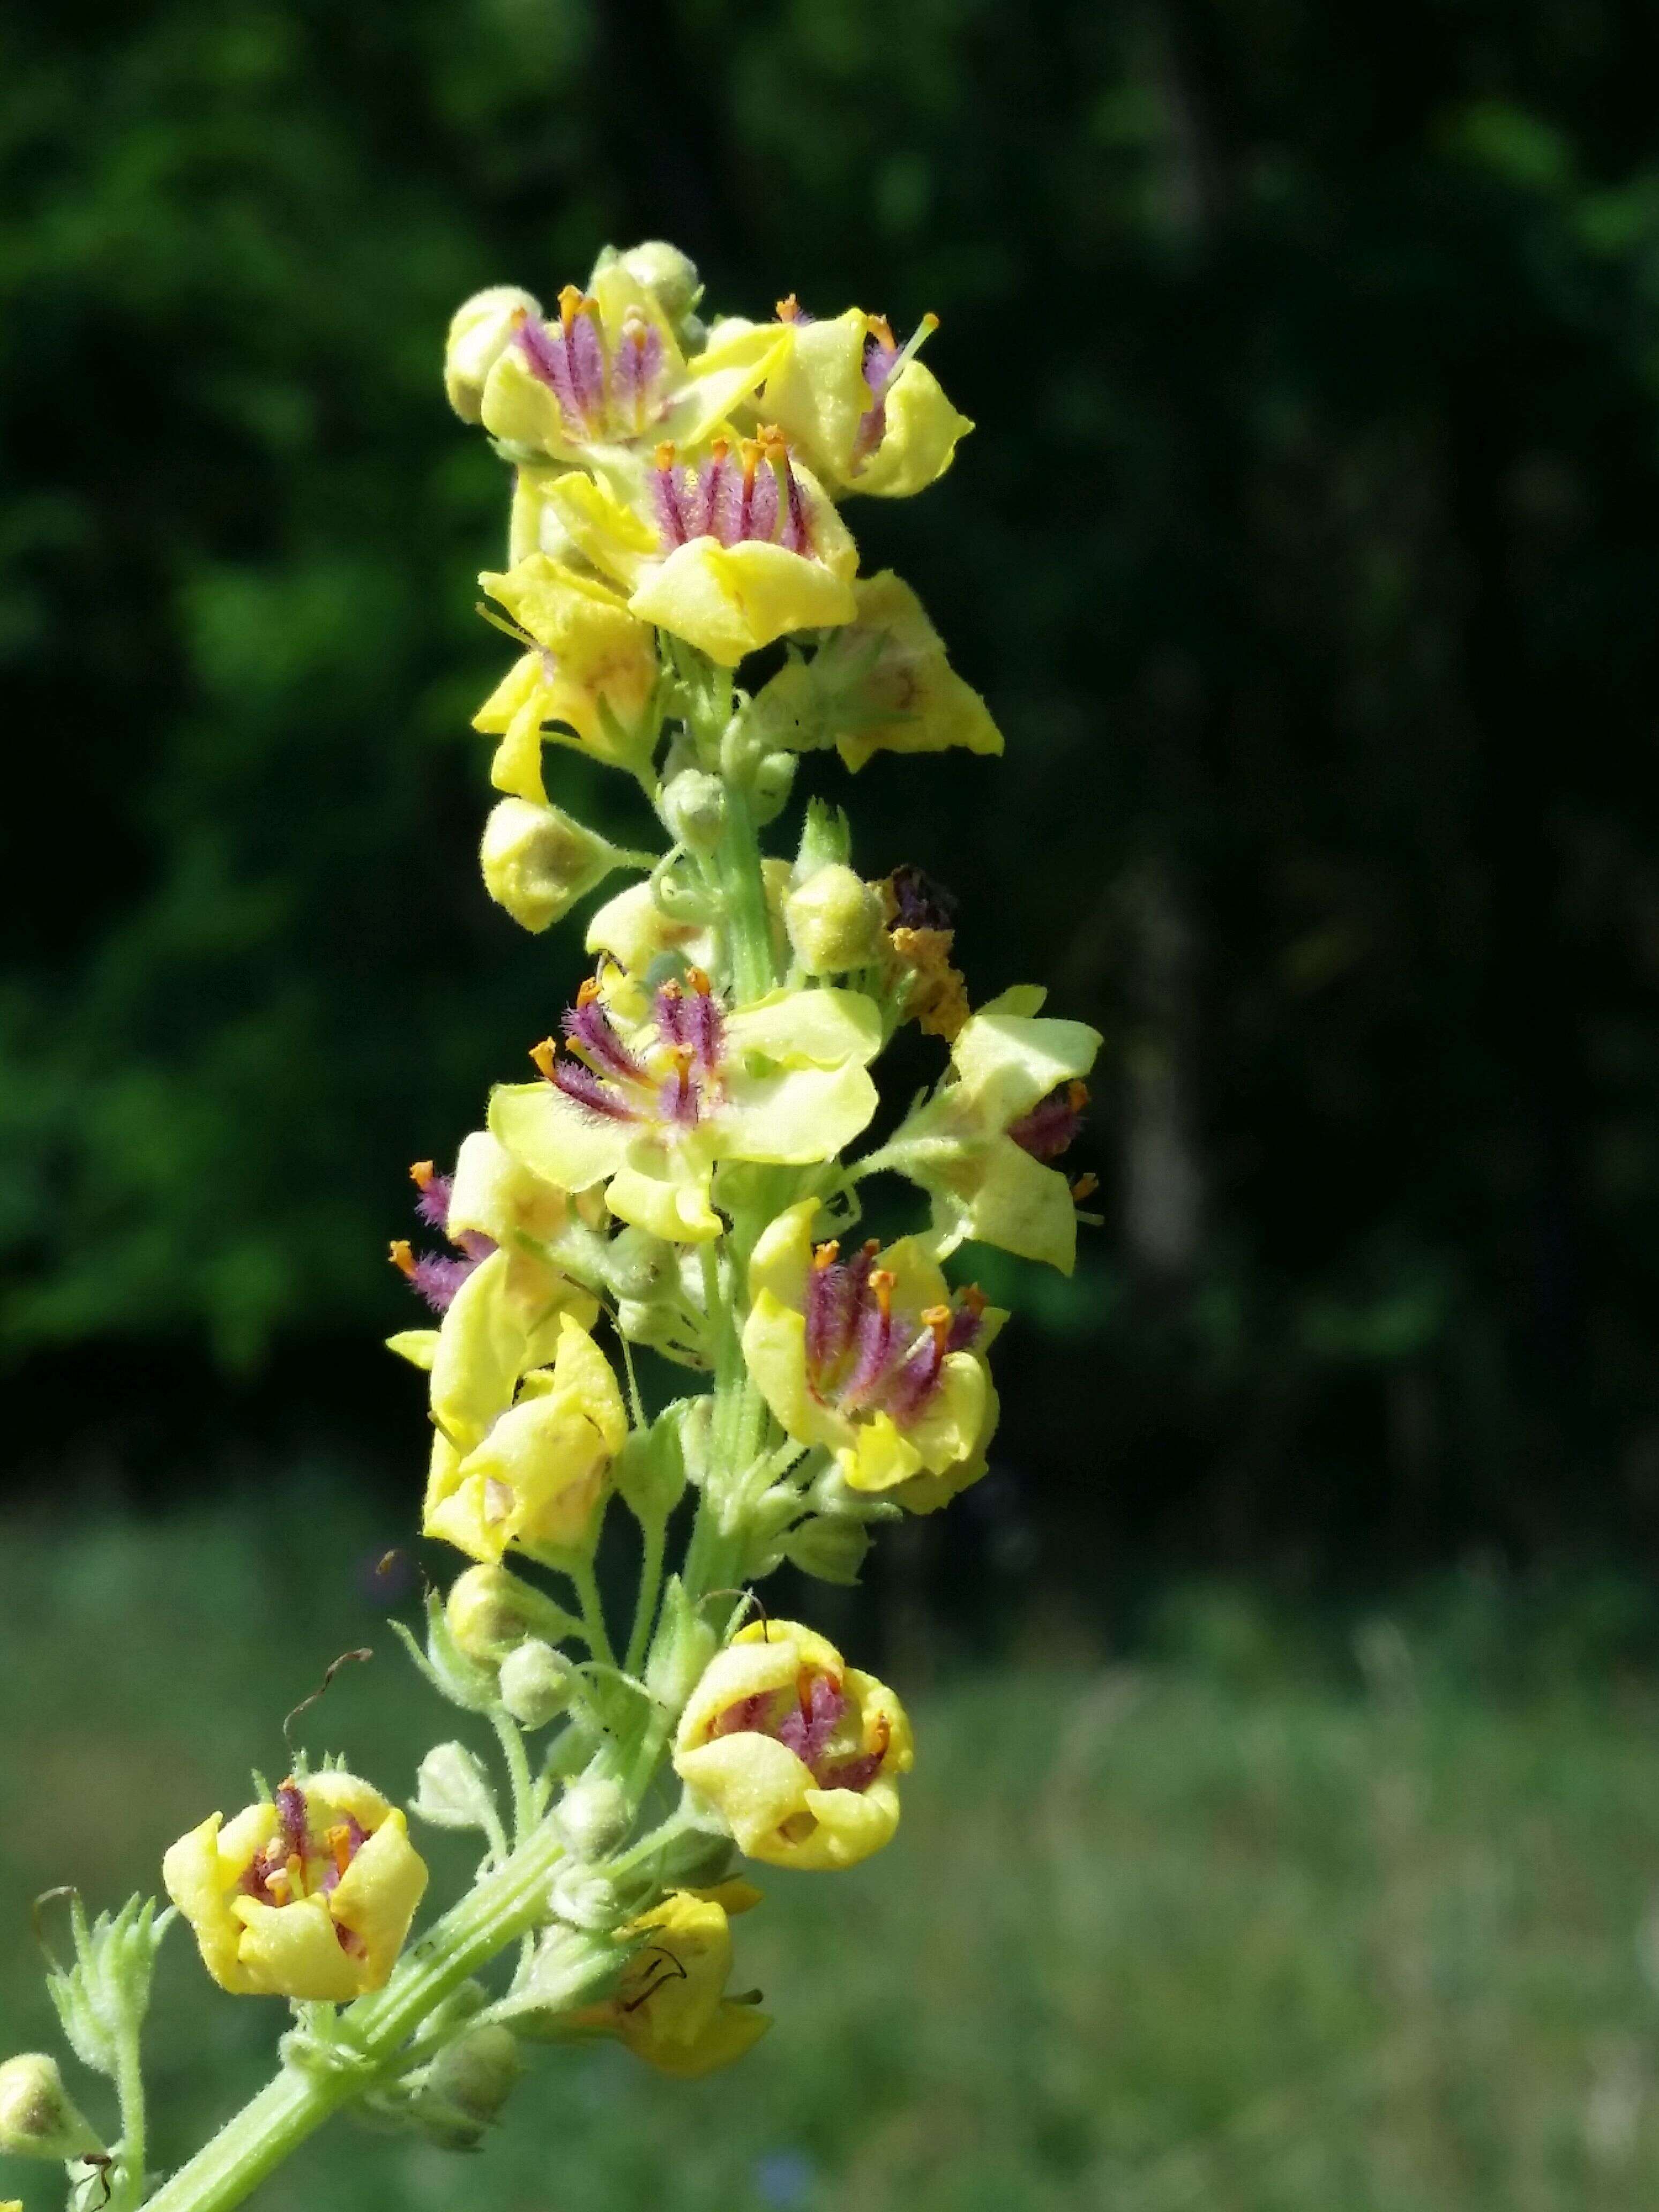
x: 651, y: 1108
x: 866, y: 415
x: 523, y: 1452
x: 874, y: 1357
x: 985, y: 1146
x: 608, y: 375
x: 309, y: 1896
x: 670, y: 2007
x: 728, y: 547
x: 799, y: 1752
x: 588, y: 670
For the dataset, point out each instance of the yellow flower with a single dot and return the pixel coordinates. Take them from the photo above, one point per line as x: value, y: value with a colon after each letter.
x: 882, y: 684
x: 309, y: 1897
x: 799, y: 1752
x: 670, y: 2007
x: 610, y: 375
x: 480, y: 332
x: 873, y: 1358
x: 983, y: 1145
x: 727, y: 550
x: 590, y: 665
x: 523, y: 1453
x: 652, y: 1108
x: 867, y: 415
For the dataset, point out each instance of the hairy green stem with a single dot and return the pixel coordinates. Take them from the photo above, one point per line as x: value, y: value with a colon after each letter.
x: 128, y: 2190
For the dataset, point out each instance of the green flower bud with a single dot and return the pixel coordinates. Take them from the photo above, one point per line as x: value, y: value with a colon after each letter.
x: 452, y: 1790
x: 684, y: 1644
x: 834, y: 921
x: 490, y: 1611
x: 774, y: 779
x: 480, y: 332
x: 539, y: 861
x: 694, y: 807
x: 583, y: 1898
x: 650, y: 1469
x: 536, y: 1683
x: 468, y: 2084
x: 593, y: 1817
x: 37, y: 2117
x: 670, y: 275
x: 829, y: 1547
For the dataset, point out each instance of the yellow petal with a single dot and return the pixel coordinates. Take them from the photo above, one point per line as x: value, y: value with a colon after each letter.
x: 774, y: 1352
x: 808, y: 1029
x: 604, y: 530
x: 880, y: 1458
x: 1022, y: 1206
x: 783, y: 1254
x: 1007, y: 1061
x: 920, y: 440
x: 582, y: 1370
x: 377, y: 1895
x: 797, y: 1117
x: 731, y: 600
x: 754, y: 1782
x: 555, y: 1138
x: 197, y: 1881
x: 293, y: 1951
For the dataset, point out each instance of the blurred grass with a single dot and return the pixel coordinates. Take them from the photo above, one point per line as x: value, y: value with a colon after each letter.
x: 1230, y: 1930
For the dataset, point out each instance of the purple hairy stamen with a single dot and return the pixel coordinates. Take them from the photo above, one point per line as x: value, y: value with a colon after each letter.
x: 1049, y: 1127
x: 917, y: 1378
x: 872, y: 1352
x: 587, y: 1024
x: 433, y: 1204
x: 438, y: 1280
x: 584, y: 1089
x: 806, y: 1729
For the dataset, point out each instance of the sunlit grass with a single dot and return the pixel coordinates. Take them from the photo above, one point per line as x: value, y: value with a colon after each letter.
x: 1149, y: 1940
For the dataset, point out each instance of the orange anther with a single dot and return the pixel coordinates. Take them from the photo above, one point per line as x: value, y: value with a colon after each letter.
x: 664, y: 456
x: 974, y: 1299
x: 587, y: 990
x: 788, y: 310
x: 573, y: 301
x: 698, y: 979
x: 938, y: 1320
x: 402, y: 1257
x: 544, y: 1055
x: 1077, y: 1095
x: 881, y: 1282
x: 1085, y: 1187
x: 881, y: 328
x: 720, y: 449
x: 421, y: 1174
x: 339, y: 1842
x: 878, y: 1736
x: 825, y: 1255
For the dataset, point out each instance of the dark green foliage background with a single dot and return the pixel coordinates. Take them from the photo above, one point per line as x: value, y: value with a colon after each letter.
x: 1308, y: 552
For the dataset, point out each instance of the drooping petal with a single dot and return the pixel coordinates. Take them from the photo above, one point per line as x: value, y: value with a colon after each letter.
x: 796, y: 1117
x: 732, y: 600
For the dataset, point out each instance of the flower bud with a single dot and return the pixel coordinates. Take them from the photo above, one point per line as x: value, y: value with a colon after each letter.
x: 774, y: 779
x: 38, y: 2117
x: 539, y: 861
x: 826, y: 841
x: 471, y: 2081
x: 830, y: 1548
x: 582, y: 1898
x: 480, y: 332
x: 490, y: 1610
x: 452, y: 1790
x: 834, y: 921
x: 593, y: 1817
x: 669, y: 274
x: 536, y: 1683
x: 694, y: 807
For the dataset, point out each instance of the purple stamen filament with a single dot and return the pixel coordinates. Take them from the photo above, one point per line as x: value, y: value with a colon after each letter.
x: 298, y: 1863
x: 757, y: 498
x: 1052, y: 1123
x: 436, y: 1276
x: 669, y: 1080
x: 863, y: 1354
x: 602, y: 393
x: 805, y: 1723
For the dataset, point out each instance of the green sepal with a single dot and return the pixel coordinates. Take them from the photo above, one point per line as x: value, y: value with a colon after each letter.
x: 101, y: 2000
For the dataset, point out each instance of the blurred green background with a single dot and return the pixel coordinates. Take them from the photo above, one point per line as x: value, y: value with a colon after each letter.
x: 1306, y: 552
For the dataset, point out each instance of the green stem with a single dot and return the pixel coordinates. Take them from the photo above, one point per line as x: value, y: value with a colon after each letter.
x: 129, y: 2189
x: 518, y: 1769
x: 295, y: 2104
x: 587, y: 1591
x: 748, y: 923
x: 653, y: 1534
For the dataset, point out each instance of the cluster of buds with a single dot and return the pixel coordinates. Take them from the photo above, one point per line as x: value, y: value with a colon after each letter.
x: 680, y: 1174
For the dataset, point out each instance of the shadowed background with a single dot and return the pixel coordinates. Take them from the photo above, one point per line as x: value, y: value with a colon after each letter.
x: 1306, y: 552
